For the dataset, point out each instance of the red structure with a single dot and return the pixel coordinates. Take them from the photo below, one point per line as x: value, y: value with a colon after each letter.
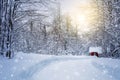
x: 94, y: 54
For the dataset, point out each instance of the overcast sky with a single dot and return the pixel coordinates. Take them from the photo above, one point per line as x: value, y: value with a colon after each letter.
x: 68, y: 5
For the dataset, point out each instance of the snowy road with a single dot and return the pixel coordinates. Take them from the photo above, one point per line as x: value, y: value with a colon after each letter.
x: 39, y: 67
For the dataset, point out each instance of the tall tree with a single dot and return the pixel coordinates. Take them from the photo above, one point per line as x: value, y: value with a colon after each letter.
x: 7, y: 13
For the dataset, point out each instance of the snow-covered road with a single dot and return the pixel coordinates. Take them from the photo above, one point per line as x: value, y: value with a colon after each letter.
x: 42, y: 67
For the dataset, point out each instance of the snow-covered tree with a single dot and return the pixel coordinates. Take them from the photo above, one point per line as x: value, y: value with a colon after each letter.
x: 7, y: 13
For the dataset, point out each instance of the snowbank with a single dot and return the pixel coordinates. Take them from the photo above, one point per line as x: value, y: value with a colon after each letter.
x: 43, y: 67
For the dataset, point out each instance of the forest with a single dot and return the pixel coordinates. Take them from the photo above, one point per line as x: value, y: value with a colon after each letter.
x: 40, y: 26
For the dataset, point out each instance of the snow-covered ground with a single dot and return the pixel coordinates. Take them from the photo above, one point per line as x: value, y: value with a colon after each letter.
x: 43, y: 67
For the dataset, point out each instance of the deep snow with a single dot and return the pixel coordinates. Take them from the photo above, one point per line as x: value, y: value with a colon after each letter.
x: 44, y: 67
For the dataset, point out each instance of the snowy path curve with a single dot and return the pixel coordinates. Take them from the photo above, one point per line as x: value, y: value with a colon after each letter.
x: 43, y: 64
x: 45, y: 67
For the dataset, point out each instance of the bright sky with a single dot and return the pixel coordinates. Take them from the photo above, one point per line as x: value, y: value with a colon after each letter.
x: 83, y: 12
x: 68, y: 5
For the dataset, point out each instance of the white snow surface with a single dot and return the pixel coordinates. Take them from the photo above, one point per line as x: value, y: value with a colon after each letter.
x: 96, y: 49
x: 46, y: 67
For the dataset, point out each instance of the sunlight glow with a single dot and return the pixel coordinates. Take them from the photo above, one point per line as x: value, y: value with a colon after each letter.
x: 85, y: 16
x: 81, y: 19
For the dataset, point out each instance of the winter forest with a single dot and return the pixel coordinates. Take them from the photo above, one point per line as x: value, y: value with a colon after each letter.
x: 59, y: 39
x: 41, y: 26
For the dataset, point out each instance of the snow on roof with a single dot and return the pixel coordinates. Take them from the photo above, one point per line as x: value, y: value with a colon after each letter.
x: 96, y: 49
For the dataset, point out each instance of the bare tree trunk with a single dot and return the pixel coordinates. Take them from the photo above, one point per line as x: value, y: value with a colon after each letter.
x: 6, y: 27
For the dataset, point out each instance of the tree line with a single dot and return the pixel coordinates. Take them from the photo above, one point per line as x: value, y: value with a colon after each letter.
x: 39, y: 26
